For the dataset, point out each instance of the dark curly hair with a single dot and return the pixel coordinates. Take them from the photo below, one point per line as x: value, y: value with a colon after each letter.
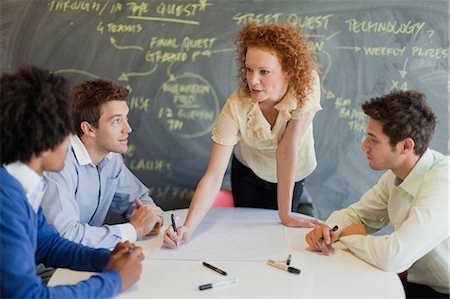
x: 34, y: 112
x: 88, y: 97
x: 292, y: 51
x: 404, y: 114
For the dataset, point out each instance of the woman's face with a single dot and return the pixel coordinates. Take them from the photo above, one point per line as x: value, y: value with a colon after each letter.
x: 265, y: 76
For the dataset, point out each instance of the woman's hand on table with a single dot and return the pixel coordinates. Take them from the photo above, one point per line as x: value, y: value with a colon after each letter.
x: 293, y: 221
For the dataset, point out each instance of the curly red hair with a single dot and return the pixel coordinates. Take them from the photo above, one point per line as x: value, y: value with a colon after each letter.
x: 291, y: 48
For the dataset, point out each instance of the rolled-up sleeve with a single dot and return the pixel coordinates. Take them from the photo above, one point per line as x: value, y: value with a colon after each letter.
x: 425, y: 227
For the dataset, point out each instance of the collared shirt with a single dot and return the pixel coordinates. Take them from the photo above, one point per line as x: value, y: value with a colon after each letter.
x: 32, y: 183
x: 242, y: 122
x: 418, y: 209
x: 79, y: 197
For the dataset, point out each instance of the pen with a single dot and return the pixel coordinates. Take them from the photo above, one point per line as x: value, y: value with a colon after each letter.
x: 218, y: 284
x: 335, y: 228
x: 288, y: 261
x: 283, y: 267
x: 214, y: 268
x: 174, y: 226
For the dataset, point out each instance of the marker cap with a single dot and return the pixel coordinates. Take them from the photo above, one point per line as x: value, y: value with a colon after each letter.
x: 293, y: 270
x: 205, y: 286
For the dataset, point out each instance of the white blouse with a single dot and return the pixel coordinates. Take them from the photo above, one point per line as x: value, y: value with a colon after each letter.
x: 242, y: 122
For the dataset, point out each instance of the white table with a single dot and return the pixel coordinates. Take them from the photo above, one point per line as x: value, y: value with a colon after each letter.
x: 340, y: 275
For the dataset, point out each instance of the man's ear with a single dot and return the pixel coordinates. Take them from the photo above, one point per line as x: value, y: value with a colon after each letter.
x: 87, y: 129
x: 408, y: 145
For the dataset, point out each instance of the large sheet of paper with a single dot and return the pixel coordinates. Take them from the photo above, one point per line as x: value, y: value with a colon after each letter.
x: 231, y: 240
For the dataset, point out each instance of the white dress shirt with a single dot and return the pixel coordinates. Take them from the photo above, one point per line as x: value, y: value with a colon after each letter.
x: 418, y: 209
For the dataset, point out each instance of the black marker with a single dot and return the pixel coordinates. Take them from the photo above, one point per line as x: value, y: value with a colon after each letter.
x: 214, y: 268
x: 288, y: 261
x: 283, y: 267
x: 335, y: 228
x: 174, y: 226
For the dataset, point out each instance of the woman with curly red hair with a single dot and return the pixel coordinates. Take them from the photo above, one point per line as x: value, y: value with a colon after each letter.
x: 269, y: 119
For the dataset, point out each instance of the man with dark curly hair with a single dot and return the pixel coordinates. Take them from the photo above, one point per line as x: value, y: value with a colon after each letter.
x: 34, y: 138
x: 95, y: 179
x: 412, y: 196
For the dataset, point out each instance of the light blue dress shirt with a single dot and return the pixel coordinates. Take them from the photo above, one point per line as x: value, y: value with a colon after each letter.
x: 78, y: 198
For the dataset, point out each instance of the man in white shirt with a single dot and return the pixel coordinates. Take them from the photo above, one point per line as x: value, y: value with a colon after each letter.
x: 412, y: 195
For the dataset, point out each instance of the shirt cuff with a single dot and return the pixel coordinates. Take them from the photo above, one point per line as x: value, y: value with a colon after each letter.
x: 338, y: 231
x: 127, y: 232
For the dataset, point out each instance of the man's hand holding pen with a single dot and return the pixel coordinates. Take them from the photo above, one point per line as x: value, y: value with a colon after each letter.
x: 321, y: 238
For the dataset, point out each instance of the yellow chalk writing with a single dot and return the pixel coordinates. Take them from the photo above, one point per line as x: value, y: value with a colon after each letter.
x: 357, y: 26
x: 309, y: 22
x: 384, y: 51
x: 260, y: 19
x: 436, y: 53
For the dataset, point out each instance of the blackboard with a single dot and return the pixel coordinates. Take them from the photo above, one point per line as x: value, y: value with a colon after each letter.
x: 177, y: 59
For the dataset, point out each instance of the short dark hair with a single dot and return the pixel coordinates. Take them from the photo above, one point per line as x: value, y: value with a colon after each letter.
x: 34, y: 112
x: 404, y: 114
x: 88, y: 97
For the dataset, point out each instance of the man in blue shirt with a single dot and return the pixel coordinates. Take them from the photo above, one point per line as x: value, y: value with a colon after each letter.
x: 34, y: 138
x: 95, y: 179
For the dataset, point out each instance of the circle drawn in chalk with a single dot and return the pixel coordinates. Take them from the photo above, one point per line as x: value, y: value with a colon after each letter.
x: 187, y: 105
